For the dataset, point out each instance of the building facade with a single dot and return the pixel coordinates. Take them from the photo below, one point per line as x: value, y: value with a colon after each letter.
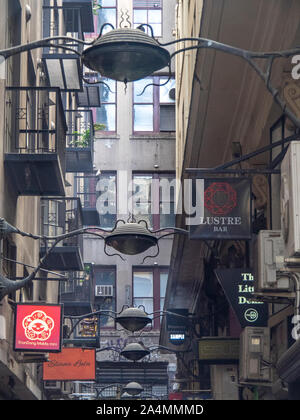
x: 38, y: 152
x: 225, y: 112
x: 134, y: 149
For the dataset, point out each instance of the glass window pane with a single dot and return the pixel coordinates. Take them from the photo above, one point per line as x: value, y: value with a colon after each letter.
x: 106, y: 201
x: 163, y: 284
x: 156, y: 27
x: 142, y: 187
x: 167, y: 188
x: 107, y: 93
x: 139, y: 16
x: 146, y: 303
x: 141, y: 208
x: 143, y: 284
x: 164, y: 91
x: 154, y: 16
x: 138, y: 87
x: 107, y: 3
x: 106, y: 115
x: 167, y: 218
x: 106, y: 16
x: 143, y: 118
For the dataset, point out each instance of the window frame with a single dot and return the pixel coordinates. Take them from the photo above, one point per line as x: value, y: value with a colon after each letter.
x: 156, y: 297
x: 147, y: 9
x: 108, y: 173
x: 103, y: 103
x: 156, y: 106
x: 106, y: 268
x: 156, y: 217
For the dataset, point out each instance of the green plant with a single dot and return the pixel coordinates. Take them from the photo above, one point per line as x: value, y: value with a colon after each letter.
x: 96, y: 7
x: 83, y: 139
x: 99, y: 126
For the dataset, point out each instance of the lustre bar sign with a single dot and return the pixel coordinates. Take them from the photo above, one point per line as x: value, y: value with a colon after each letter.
x: 238, y: 286
x: 72, y: 364
x: 225, y: 209
x: 38, y: 327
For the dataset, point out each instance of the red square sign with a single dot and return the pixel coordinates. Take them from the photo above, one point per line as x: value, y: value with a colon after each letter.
x: 38, y: 327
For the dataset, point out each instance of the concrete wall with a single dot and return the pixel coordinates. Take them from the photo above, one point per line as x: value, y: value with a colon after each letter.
x: 125, y: 151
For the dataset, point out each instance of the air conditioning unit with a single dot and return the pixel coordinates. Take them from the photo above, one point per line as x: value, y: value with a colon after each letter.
x: 255, y: 355
x: 290, y: 200
x: 270, y: 250
x: 104, y: 290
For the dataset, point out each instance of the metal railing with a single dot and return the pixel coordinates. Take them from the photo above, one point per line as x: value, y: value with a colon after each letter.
x: 35, y: 121
x: 59, y: 20
x: 80, y: 129
x: 62, y: 215
x: 78, y: 288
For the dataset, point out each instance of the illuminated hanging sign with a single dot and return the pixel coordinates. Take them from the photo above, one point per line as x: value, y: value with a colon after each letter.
x: 38, y: 327
x: 177, y: 338
x: 238, y: 286
x: 222, y: 209
x: 72, y: 364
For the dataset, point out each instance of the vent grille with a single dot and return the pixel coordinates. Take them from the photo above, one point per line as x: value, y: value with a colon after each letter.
x: 104, y: 290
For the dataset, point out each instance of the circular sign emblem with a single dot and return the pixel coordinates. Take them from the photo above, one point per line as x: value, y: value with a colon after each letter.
x: 220, y: 198
x: 38, y: 326
x: 251, y: 315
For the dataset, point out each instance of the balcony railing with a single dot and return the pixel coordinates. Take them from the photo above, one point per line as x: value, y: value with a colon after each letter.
x: 72, y: 19
x: 80, y: 141
x: 77, y: 293
x: 58, y: 216
x: 35, y: 136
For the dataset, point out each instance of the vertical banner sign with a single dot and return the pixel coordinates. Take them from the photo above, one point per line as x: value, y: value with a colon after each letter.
x: 238, y: 286
x: 38, y: 327
x: 226, y: 209
x: 72, y: 364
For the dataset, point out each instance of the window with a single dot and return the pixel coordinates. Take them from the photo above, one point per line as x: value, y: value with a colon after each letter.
x: 105, y: 276
x: 154, y: 107
x: 85, y: 189
x: 106, y: 113
x: 105, y: 11
x: 149, y: 289
x: 153, y: 199
x: 148, y: 12
x: 98, y: 192
x: 106, y: 205
x: 107, y: 14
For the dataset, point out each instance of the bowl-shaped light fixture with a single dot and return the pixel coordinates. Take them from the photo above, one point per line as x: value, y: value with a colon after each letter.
x: 134, y: 351
x: 125, y: 55
x: 133, y: 319
x: 131, y: 239
x: 126, y: 396
x: 133, y: 388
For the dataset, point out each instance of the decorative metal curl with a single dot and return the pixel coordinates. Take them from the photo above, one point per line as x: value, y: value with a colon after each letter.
x: 158, y: 84
x: 152, y: 256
